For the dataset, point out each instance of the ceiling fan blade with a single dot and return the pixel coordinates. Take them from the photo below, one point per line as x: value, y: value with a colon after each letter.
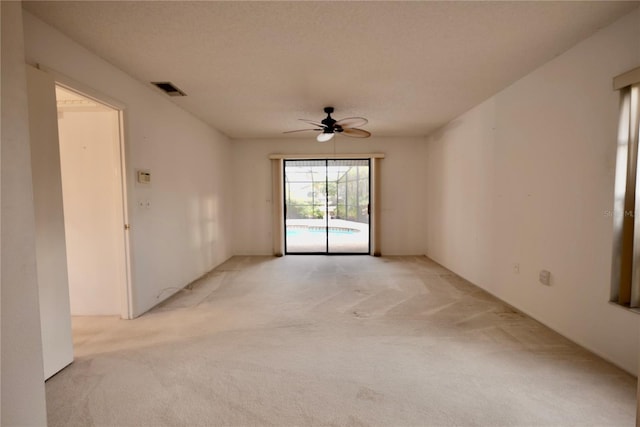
x: 356, y: 133
x: 312, y: 122
x: 352, y: 122
x: 300, y: 130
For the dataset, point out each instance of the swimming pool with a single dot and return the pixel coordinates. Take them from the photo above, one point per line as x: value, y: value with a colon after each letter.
x: 301, y: 229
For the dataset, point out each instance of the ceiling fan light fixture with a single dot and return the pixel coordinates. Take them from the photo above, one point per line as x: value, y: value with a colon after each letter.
x: 325, y: 136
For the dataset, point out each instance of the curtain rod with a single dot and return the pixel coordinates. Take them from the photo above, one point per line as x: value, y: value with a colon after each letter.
x: 328, y: 156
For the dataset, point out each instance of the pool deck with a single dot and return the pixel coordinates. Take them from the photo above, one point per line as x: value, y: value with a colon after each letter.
x: 308, y: 241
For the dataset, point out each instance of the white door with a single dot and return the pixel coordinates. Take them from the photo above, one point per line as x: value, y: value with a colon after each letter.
x: 55, y: 316
x: 90, y: 158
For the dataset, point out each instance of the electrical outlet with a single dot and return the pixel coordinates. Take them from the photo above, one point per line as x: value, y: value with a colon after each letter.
x: 516, y: 268
x: 545, y: 277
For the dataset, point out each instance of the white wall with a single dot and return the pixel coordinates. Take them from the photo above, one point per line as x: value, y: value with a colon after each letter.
x: 89, y: 155
x: 187, y: 229
x: 23, y: 396
x: 402, y: 178
x: 527, y: 177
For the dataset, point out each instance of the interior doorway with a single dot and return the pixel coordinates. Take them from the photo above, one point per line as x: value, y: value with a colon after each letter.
x: 327, y: 206
x: 93, y: 193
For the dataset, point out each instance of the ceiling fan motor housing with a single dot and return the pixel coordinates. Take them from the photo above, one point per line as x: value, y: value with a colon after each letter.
x: 329, y: 122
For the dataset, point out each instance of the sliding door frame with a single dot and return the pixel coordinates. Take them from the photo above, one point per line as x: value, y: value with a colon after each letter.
x: 277, y: 162
x: 327, y: 250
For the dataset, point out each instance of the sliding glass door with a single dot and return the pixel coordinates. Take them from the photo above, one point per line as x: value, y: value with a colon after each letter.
x: 326, y: 206
x: 305, y: 186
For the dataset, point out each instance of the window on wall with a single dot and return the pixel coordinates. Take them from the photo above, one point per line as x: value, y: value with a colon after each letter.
x: 625, y: 271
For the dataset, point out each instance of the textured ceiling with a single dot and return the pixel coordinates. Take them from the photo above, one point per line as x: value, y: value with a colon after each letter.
x: 251, y: 69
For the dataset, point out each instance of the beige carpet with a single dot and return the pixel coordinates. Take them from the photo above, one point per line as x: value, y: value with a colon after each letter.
x: 351, y: 340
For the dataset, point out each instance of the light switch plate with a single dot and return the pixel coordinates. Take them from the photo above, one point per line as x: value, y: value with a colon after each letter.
x: 144, y: 176
x: 545, y: 277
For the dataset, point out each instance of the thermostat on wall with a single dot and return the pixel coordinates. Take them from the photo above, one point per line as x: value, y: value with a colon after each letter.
x: 144, y: 176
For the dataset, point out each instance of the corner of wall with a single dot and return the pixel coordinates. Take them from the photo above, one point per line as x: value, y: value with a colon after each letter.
x: 23, y: 394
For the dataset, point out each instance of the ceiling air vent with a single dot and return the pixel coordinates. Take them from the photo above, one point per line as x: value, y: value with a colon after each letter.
x: 169, y: 88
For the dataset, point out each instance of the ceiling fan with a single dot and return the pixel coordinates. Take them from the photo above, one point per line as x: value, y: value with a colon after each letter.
x: 329, y: 127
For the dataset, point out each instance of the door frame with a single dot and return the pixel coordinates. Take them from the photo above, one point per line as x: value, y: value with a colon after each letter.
x: 327, y: 250
x: 125, y: 291
x: 277, y: 196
